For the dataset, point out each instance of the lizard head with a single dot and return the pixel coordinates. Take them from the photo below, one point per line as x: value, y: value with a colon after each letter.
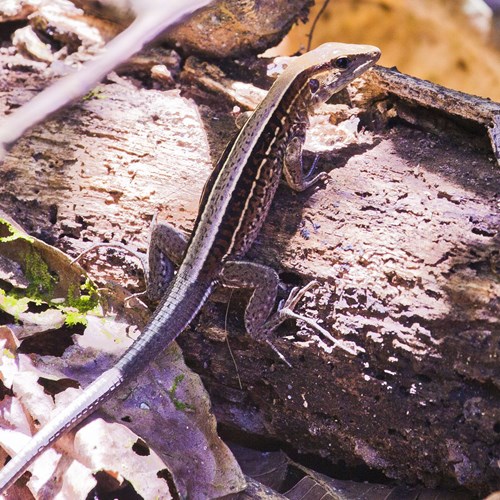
x: 330, y: 67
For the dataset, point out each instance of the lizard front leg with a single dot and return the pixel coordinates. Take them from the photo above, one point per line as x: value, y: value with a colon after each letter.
x: 293, y: 166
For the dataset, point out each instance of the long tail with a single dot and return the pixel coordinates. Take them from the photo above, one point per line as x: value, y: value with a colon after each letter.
x: 66, y: 419
x: 182, y: 301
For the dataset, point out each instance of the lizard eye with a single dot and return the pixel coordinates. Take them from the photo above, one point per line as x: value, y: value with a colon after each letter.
x: 313, y: 85
x: 342, y: 62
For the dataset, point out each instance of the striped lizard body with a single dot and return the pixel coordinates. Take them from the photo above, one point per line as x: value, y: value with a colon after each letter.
x: 233, y: 208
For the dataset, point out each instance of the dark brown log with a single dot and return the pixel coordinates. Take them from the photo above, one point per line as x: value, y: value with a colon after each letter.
x: 403, y: 239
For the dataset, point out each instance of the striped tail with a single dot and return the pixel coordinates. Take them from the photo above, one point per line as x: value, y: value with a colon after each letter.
x: 85, y: 404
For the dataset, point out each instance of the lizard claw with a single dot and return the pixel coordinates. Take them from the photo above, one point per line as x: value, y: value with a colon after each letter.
x: 287, y: 306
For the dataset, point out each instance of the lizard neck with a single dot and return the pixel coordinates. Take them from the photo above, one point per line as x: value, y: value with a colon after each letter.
x: 238, y: 194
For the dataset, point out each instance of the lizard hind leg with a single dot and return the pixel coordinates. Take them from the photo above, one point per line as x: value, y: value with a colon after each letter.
x: 263, y: 281
x: 166, y: 250
x: 260, y: 321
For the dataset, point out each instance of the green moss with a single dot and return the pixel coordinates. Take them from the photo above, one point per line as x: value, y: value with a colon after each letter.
x: 14, y: 233
x: 84, y: 298
x: 13, y: 304
x: 8, y: 354
x: 80, y: 299
x: 179, y: 405
x: 74, y: 318
x: 41, y: 282
x: 95, y: 93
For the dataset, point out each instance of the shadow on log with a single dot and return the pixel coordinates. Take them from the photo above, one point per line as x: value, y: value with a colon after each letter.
x: 403, y: 239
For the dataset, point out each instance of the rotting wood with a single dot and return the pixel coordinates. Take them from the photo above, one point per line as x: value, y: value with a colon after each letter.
x: 429, y: 95
x: 403, y: 239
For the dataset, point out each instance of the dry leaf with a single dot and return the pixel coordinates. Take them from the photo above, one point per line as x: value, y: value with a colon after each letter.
x: 167, y: 405
x: 296, y: 482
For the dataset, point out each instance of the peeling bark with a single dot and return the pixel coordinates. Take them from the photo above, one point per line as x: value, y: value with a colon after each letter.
x: 403, y: 239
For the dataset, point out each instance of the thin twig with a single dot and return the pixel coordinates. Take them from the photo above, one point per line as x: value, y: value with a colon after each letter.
x: 313, y: 27
x: 150, y: 22
x: 227, y: 342
x: 347, y: 346
x: 121, y: 246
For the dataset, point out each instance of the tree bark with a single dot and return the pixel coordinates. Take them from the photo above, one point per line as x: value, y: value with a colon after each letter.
x: 402, y: 238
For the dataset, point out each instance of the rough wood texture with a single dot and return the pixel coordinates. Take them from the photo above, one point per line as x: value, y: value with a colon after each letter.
x: 226, y: 28
x: 402, y: 239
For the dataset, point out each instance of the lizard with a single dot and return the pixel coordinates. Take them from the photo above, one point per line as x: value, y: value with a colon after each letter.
x: 233, y: 207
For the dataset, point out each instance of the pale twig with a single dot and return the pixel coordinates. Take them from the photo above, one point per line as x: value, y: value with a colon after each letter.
x: 287, y: 311
x: 347, y: 346
x: 276, y: 350
x: 150, y: 22
x: 121, y: 246
x: 137, y: 296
